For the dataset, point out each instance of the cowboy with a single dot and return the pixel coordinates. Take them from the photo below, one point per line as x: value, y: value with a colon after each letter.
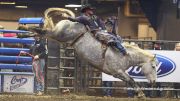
x: 88, y: 18
x: 91, y: 21
x: 39, y: 51
x: 97, y: 27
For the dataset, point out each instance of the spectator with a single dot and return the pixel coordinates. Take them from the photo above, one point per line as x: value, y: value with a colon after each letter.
x: 177, y: 47
x: 39, y: 51
x: 107, y: 91
x: 157, y: 46
x: 130, y: 92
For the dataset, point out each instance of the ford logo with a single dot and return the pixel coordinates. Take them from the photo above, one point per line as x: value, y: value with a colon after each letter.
x: 165, y: 67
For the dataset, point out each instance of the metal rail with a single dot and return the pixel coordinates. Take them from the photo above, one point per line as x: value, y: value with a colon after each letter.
x: 127, y: 88
x: 85, y: 77
x: 152, y: 41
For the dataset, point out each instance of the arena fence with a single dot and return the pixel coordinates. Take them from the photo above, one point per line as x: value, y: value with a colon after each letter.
x: 16, y: 71
x: 68, y: 73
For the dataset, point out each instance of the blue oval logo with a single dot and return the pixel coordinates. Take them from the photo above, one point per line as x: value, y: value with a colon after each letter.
x: 166, y: 66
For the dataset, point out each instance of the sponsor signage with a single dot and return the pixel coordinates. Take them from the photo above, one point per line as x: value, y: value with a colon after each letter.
x: 167, y: 70
x: 18, y: 83
x: 166, y: 66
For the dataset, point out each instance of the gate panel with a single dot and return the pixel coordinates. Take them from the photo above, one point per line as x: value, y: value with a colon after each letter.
x: 76, y: 75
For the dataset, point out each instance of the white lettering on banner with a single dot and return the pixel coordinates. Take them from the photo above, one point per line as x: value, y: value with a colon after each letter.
x: 136, y: 70
x: 158, y: 67
x: 168, y: 68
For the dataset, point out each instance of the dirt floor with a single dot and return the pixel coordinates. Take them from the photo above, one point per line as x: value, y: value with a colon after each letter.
x: 74, y: 98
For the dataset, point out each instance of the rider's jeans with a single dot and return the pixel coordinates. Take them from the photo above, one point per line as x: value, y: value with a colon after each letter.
x: 38, y: 69
x: 120, y: 47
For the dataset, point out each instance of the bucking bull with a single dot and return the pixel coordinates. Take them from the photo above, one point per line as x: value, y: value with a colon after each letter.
x: 90, y: 49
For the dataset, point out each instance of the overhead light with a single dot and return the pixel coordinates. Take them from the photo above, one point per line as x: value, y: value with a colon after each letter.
x: 21, y: 6
x: 7, y: 3
x: 75, y: 9
x: 73, y: 5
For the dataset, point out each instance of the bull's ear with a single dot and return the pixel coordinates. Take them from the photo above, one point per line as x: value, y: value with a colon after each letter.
x: 154, y: 57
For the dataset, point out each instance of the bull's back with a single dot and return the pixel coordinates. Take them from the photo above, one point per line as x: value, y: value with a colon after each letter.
x: 89, y: 49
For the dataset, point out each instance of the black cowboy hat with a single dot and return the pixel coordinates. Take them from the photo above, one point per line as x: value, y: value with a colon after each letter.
x: 86, y: 7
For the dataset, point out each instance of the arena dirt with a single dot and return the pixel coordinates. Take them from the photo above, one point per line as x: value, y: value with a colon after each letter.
x: 73, y: 98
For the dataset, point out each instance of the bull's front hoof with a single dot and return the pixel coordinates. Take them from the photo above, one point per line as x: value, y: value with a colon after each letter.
x: 141, y: 95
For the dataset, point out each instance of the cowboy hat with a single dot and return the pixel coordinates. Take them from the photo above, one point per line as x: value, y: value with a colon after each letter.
x: 86, y: 7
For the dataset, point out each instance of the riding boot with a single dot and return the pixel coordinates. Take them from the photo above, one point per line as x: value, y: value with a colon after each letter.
x: 121, y: 48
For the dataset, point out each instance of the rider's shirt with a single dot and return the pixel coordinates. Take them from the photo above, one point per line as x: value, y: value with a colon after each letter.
x: 93, y: 22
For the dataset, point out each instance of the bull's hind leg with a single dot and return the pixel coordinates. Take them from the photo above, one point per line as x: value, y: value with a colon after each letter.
x: 126, y: 78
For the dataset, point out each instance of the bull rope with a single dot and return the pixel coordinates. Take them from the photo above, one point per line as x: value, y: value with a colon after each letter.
x: 40, y: 77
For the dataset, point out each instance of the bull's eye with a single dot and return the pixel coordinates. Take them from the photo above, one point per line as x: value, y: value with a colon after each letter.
x: 153, y: 66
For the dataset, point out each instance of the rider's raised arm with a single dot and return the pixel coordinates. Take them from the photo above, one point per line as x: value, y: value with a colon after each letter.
x: 72, y: 19
x: 80, y: 19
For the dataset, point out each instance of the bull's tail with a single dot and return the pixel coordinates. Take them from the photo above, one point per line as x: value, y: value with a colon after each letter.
x: 54, y: 12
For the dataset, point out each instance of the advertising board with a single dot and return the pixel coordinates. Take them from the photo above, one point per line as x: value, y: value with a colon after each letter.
x: 167, y: 71
x: 18, y: 83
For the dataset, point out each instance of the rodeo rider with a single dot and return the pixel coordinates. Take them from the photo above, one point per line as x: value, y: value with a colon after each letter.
x: 97, y: 27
